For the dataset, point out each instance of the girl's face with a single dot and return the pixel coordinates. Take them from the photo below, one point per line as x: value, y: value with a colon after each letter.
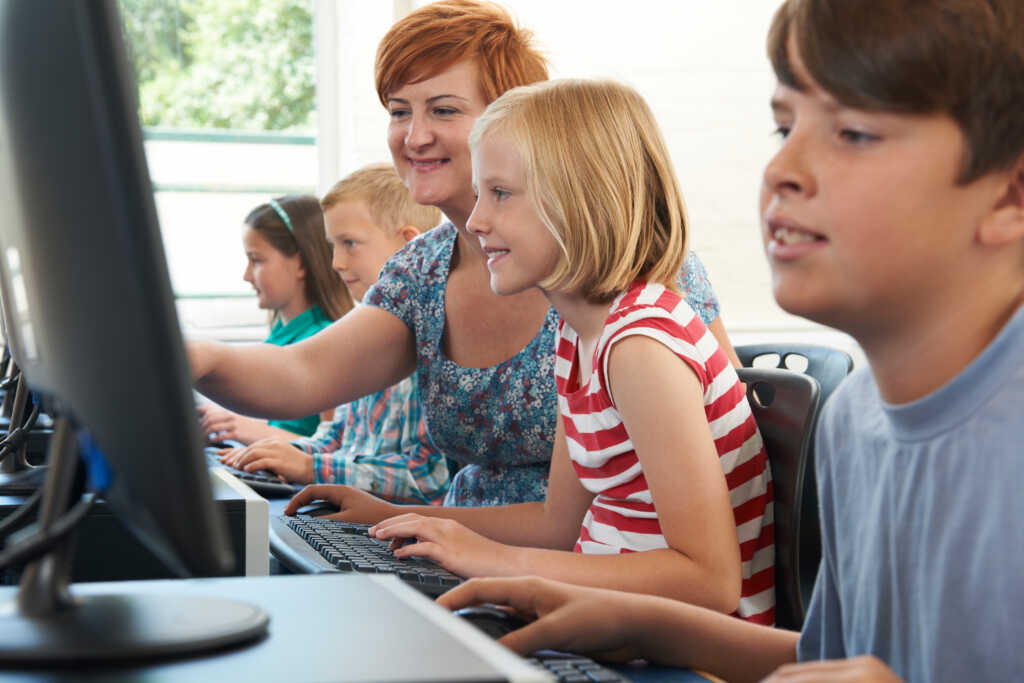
x: 428, y: 137
x: 520, y: 249
x: 277, y: 279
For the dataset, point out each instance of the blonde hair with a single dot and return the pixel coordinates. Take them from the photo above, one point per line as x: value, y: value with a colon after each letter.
x: 601, y: 180
x: 386, y: 197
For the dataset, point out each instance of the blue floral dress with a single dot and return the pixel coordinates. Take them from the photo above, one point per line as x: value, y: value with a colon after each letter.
x: 499, y: 422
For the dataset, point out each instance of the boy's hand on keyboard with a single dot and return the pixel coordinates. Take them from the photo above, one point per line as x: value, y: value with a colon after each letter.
x: 448, y: 543
x: 586, y: 621
x: 863, y: 669
x: 276, y: 455
x: 353, y: 505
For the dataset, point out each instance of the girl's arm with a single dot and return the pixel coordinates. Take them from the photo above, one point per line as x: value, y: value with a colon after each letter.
x: 365, y: 351
x: 662, y: 407
x: 555, y: 523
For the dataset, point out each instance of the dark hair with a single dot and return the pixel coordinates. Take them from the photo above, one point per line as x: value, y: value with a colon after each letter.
x: 323, y: 286
x: 963, y: 58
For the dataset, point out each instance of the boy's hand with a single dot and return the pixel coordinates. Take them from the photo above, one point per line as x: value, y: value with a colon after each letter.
x: 354, y: 505
x: 571, y: 618
x: 447, y: 542
x: 862, y: 669
x: 220, y: 424
x: 276, y: 455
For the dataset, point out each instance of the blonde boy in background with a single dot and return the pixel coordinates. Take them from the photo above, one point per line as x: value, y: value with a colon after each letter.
x: 378, y: 443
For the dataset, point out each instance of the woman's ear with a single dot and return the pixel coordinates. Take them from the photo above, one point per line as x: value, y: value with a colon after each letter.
x: 1006, y: 222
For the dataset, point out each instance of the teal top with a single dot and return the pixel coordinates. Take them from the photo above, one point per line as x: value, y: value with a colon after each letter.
x: 306, y: 324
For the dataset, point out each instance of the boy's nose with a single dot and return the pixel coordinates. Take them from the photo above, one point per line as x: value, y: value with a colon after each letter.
x: 788, y: 171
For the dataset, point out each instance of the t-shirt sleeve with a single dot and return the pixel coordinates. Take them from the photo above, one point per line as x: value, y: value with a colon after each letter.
x: 400, y: 279
x: 696, y: 288
x: 822, y: 633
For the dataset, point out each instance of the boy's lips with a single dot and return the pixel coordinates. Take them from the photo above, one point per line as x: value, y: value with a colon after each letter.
x: 788, y: 239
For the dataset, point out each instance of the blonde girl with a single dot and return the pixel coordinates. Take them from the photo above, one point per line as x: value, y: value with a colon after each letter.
x: 659, y: 482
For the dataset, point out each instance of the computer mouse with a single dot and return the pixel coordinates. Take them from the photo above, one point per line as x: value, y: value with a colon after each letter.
x: 491, y: 619
x: 318, y: 508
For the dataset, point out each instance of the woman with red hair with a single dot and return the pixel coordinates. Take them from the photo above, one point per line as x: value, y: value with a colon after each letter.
x: 485, y: 362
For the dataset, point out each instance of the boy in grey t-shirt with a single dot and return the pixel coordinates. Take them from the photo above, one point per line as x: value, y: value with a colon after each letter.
x: 893, y: 210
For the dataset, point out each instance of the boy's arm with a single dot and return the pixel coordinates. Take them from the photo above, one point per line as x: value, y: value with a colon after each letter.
x: 622, y: 626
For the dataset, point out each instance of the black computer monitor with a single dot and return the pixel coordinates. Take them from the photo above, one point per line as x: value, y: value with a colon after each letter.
x: 91, y: 322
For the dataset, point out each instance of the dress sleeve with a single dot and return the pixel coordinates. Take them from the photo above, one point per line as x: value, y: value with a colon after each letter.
x: 696, y: 288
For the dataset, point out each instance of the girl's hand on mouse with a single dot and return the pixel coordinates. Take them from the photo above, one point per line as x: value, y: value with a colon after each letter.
x: 353, y: 505
x: 447, y: 542
x: 571, y: 618
x: 276, y: 455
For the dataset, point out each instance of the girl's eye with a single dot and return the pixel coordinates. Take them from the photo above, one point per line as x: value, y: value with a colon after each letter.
x: 499, y: 194
x: 348, y: 244
x: 781, y: 131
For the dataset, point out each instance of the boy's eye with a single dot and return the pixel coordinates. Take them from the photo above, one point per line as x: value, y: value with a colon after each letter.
x: 348, y: 244
x: 857, y: 137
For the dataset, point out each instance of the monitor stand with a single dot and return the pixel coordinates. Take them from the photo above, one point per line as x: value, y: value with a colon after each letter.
x: 46, y: 623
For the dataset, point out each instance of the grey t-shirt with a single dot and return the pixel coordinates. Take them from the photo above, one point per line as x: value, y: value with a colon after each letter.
x: 923, y: 524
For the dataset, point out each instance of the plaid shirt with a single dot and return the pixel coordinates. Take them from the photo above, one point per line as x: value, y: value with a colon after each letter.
x: 379, y: 444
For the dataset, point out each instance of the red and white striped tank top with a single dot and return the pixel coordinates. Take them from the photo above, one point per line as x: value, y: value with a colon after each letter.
x: 622, y: 517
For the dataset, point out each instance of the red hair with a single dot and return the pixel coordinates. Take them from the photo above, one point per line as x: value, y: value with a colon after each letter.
x: 432, y: 38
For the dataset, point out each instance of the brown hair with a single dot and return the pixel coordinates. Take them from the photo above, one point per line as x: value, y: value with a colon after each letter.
x: 322, y: 286
x: 386, y: 197
x: 963, y: 58
x: 600, y: 177
x: 432, y: 38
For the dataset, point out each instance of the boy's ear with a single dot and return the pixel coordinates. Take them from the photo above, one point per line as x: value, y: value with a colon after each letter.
x: 1006, y: 222
x: 408, y: 232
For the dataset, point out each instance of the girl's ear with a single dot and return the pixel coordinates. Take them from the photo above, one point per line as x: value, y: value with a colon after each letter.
x: 1006, y: 222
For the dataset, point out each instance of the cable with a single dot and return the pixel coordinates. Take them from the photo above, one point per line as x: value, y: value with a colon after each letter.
x: 23, y: 511
x: 30, y: 547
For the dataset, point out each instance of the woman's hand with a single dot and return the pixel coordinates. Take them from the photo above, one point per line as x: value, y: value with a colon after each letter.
x: 353, y: 504
x: 220, y: 424
x: 276, y: 455
x: 448, y: 543
x: 571, y: 618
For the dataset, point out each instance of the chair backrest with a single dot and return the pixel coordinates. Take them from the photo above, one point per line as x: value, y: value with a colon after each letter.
x: 825, y: 364
x: 785, y: 406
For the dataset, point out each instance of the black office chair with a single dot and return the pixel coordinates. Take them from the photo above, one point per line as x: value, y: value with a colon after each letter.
x: 825, y: 364
x: 785, y: 406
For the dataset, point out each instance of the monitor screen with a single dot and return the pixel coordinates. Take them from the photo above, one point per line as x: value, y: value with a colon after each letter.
x: 88, y: 307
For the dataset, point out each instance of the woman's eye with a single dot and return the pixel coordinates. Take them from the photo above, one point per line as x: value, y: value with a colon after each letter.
x: 445, y: 111
x: 398, y: 113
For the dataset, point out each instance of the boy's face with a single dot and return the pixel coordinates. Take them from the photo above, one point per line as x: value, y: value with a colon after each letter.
x: 520, y: 250
x: 862, y: 220
x: 360, y: 247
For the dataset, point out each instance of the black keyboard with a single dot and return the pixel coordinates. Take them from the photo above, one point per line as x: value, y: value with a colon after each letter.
x: 569, y: 668
x: 312, y: 545
x: 262, y: 482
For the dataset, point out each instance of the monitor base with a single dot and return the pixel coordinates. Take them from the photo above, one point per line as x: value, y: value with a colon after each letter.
x: 125, y: 626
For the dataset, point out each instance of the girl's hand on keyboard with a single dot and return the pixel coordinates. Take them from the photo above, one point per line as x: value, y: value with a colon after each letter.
x: 275, y: 455
x: 587, y: 621
x: 353, y: 505
x: 447, y: 542
x: 220, y: 424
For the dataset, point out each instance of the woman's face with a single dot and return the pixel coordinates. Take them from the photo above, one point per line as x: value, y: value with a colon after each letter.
x: 428, y: 134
